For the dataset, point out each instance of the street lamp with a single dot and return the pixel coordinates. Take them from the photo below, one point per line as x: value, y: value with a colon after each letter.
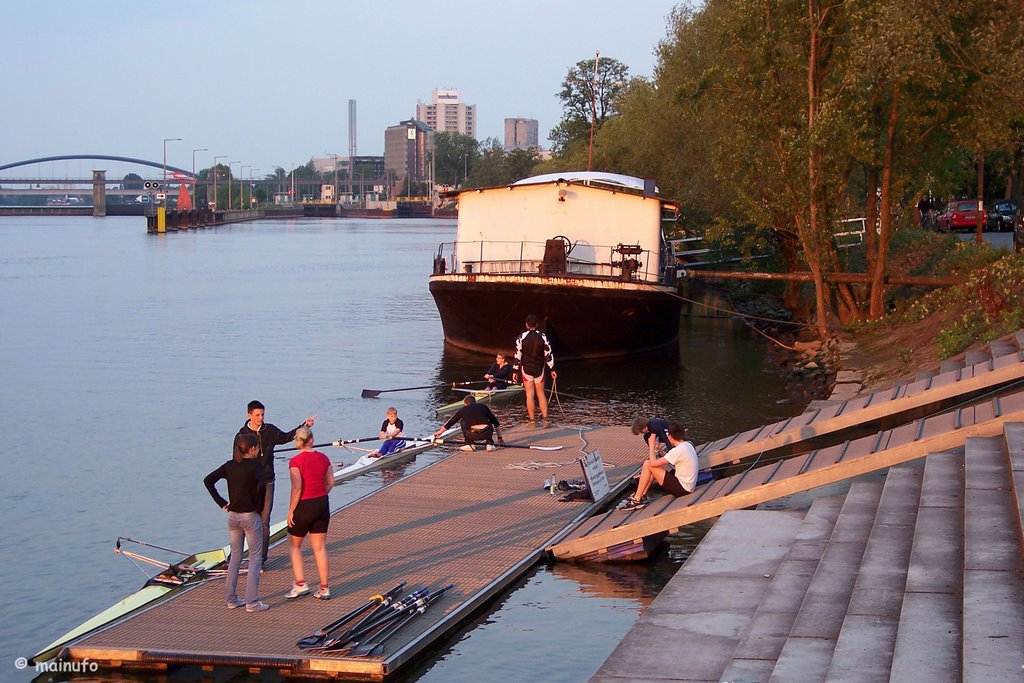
x: 241, y: 186
x: 252, y: 171
x: 335, y: 156
x: 195, y: 186
x: 215, y: 200
x: 166, y: 140
x: 229, y: 182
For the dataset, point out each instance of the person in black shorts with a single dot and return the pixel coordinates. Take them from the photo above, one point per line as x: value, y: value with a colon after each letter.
x: 478, y: 424
x: 309, y: 512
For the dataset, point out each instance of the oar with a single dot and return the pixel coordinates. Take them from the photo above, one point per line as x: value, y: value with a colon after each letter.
x: 339, y: 442
x: 419, y: 606
x: 318, y: 638
x: 378, y: 617
x: 376, y: 647
x: 515, y: 445
x: 374, y: 393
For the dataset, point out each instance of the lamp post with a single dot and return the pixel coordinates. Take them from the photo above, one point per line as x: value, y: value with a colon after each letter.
x: 166, y: 140
x: 229, y: 182
x: 335, y: 195
x: 196, y: 185
x: 252, y: 171
x: 241, y: 186
x: 215, y: 200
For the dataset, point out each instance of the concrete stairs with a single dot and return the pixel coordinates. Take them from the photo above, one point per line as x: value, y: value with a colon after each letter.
x: 919, y: 577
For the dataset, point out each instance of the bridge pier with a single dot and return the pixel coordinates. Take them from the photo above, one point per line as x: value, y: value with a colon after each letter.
x: 99, y: 194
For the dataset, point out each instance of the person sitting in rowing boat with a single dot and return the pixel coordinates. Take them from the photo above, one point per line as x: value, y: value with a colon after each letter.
x: 679, y: 481
x: 498, y: 374
x: 390, y: 431
x: 478, y: 424
x: 246, y: 489
x: 654, y: 432
x: 309, y: 512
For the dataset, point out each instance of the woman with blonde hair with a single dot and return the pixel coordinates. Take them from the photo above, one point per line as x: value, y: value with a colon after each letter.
x: 309, y: 512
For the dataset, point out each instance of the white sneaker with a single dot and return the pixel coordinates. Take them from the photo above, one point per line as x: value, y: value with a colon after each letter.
x: 467, y: 447
x: 236, y: 603
x: 296, y: 591
x: 257, y: 607
x: 491, y: 447
x: 323, y: 593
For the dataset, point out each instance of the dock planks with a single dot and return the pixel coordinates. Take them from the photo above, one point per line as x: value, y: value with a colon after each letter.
x: 465, y: 520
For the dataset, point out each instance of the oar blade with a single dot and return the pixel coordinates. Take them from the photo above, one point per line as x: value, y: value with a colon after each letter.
x: 370, y: 393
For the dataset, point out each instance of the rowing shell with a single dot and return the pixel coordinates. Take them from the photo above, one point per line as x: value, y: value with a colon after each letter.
x: 367, y: 464
x: 482, y: 397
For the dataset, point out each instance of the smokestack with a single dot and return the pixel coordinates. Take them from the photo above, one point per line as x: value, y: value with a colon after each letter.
x: 351, y: 129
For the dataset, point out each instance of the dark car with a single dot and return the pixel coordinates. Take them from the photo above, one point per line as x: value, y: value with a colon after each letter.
x: 958, y: 215
x: 1001, y: 216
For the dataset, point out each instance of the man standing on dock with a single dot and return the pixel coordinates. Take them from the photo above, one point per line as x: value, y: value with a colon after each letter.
x: 533, y: 352
x: 268, y: 436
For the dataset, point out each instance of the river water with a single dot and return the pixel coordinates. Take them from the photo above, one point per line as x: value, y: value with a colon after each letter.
x: 128, y: 359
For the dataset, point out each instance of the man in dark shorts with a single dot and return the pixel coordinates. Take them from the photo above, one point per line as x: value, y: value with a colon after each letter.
x: 679, y: 481
x: 533, y: 352
x: 478, y: 424
x: 268, y: 436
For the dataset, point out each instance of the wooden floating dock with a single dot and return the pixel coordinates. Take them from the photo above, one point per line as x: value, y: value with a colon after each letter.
x: 465, y: 519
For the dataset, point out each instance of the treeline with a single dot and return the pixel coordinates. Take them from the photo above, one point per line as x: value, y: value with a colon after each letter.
x: 784, y: 116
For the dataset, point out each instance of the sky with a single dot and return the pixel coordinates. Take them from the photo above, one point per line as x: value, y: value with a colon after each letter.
x: 267, y: 84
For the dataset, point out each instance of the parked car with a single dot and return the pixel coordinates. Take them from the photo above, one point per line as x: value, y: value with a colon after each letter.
x: 1002, y: 214
x: 961, y: 214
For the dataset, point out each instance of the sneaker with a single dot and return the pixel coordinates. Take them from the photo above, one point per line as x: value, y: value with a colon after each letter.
x: 532, y: 424
x: 491, y: 447
x: 634, y: 504
x: 323, y: 592
x: 545, y: 424
x: 257, y: 607
x: 296, y: 591
x: 235, y: 603
x: 467, y: 447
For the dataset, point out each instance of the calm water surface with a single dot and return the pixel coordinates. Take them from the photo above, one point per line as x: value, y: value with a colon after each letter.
x: 127, y: 361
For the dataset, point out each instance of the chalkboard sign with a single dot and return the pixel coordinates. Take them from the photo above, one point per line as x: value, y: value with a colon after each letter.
x: 593, y: 472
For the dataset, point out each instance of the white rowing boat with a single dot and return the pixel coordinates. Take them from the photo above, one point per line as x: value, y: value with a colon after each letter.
x: 482, y: 396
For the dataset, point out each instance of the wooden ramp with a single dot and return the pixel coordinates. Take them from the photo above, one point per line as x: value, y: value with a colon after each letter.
x: 956, y: 380
x: 619, y: 534
x: 468, y: 519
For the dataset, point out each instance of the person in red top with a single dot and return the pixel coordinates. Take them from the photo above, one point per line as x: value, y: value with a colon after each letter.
x: 309, y: 513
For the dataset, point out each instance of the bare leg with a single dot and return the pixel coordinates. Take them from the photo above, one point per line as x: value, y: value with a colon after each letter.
x: 528, y: 387
x: 542, y: 399
x: 319, y: 543
x: 296, y: 555
x: 648, y: 475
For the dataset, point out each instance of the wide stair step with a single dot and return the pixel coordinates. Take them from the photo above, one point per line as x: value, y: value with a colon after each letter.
x: 864, y: 650
x: 993, y: 606
x: 808, y: 649
x: 755, y: 656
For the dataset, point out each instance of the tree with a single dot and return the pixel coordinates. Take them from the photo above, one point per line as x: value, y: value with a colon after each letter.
x: 588, y: 97
x: 496, y: 167
x: 132, y: 181
x: 454, y: 155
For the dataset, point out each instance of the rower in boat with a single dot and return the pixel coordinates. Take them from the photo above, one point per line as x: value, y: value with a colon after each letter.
x: 498, y: 375
x: 390, y: 434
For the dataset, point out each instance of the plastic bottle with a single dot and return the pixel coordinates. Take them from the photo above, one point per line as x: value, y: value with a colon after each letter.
x: 547, y: 484
x: 554, y: 486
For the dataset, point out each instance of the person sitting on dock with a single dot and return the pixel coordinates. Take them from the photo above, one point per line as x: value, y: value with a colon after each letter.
x: 268, y: 436
x: 478, y: 424
x: 498, y: 374
x: 390, y: 431
x: 246, y: 489
x: 533, y: 351
x: 654, y: 432
x: 309, y: 512
x: 679, y: 481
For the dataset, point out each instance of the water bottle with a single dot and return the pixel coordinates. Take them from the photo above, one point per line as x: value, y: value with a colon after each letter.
x: 547, y: 484
x: 554, y: 486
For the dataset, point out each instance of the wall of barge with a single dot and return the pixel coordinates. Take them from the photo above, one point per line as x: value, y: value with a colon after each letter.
x: 514, y: 222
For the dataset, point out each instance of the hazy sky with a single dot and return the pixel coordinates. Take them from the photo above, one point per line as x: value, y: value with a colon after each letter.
x: 268, y: 83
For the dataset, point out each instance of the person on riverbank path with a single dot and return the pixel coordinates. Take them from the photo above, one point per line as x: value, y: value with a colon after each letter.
x: 309, y: 512
x: 679, y: 481
x: 478, y: 424
x: 246, y: 489
x: 268, y: 436
x: 654, y: 432
x: 533, y: 352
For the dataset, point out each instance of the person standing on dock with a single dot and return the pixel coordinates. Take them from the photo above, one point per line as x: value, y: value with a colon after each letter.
x: 268, y: 436
x: 478, y: 424
x: 654, y: 432
x: 309, y: 512
x: 246, y: 489
x: 498, y: 374
x: 533, y: 352
x: 679, y: 481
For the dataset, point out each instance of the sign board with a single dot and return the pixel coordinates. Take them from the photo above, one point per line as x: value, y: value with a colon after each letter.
x: 593, y: 472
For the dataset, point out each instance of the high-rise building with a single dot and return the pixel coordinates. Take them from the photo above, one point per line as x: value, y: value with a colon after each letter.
x: 447, y: 113
x: 521, y: 134
x: 406, y: 150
